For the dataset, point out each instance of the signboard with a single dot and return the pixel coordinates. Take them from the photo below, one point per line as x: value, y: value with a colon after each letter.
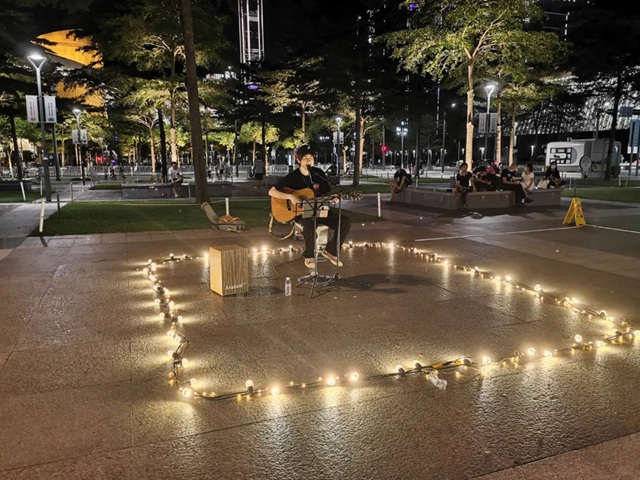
x: 482, y: 123
x: 634, y: 137
x: 50, y: 109
x: 32, y: 109
x: 493, y: 123
x: 74, y: 137
x: 335, y: 137
x: 83, y: 137
x: 626, y: 112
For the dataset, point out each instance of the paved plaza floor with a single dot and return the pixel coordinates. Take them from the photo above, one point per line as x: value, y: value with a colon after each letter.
x: 85, y: 392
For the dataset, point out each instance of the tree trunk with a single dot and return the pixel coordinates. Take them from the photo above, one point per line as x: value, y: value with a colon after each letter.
x: 163, y: 146
x: 253, y: 153
x: 512, y: 135
x: 62, y: 140
x: 359, y: 145
x: 304, y: 123
x: 498, y: 152
x: 614, y: 124
x: 172, y: 131
x: 264, y: 142
x: 14, y: 137
x: 468, y: 154
x: 153, y: 153
x: 199, y: 164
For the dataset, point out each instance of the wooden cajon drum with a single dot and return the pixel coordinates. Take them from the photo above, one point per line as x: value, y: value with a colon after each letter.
x: 229, y: 269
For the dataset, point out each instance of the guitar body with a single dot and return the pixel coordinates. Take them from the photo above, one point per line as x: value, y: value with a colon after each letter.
x: 283, y: 210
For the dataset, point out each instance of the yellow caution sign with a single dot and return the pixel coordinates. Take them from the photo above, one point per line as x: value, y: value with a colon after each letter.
x: 575, y: 213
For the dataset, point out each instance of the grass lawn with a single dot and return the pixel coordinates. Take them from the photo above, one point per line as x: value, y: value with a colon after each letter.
x: 616, y: 194
x: 90, y: 217
x: 16, y: 197
x: 107, y: 186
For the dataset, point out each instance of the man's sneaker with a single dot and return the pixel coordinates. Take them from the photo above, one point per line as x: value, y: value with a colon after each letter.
x: 332, y: 258
x: 176, y: 195
x: 310, y: 263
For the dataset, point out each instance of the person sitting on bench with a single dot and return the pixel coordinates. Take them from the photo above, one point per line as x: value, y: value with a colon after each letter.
x: 552, y: 175
x: 464, y: 183
x: 510, y: 182
x: 400, y: 181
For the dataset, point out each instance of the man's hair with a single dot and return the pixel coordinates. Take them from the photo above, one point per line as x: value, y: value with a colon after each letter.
x: 530, y: 166
x: 174, y: 163
x: 303, y: 150
x: 398, y: 165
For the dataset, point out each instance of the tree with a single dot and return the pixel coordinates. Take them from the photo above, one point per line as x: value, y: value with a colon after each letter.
x: 251, y: 132
x: 451, y: 39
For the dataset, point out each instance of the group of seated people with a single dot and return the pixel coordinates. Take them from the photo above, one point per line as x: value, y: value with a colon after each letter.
x: 491, y: 178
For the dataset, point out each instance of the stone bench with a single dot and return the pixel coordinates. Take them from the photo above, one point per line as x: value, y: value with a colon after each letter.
x: 448, y: 200
x: 14, y: 186
x: 186, y: 190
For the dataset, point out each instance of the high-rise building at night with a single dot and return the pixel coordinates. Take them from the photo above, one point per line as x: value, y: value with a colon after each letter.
x: 251, y: 26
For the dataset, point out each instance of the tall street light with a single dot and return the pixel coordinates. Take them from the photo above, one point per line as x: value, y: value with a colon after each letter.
x: 489, y: 89
x: 444, y: 136
x: 402, y: 130
x: 338, y: 122
x: 36, y: 62
x: 77, y: 112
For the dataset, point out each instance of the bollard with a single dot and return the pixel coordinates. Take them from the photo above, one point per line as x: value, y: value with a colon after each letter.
x: 379, y: 206
x: 71, y: 183
x: 189, y: 190
x: 24, y: 196
x: 58, y: 201
x: 42, y: 216
x: 226, y: 204
x: 40, y: 186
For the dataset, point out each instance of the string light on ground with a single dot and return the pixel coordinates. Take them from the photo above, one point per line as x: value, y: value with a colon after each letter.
x: 187, y: 386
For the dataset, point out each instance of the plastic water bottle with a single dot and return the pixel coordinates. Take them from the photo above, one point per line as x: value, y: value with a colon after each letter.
x: 287, y: 287
x: 438, y: 382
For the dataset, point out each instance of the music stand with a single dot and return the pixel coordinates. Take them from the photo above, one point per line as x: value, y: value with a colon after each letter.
x: 322, y: 281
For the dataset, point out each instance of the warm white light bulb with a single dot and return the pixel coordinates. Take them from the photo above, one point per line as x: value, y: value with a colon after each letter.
x: 185, y: 362
x: 537, y: 288
x: 578, y: 338
x: 248, y: 384
x: 187, y: 392
x: 254, y: 250
x: 508, y: 278
x: 486, y: 360
x: 275, y: 391
x: 532, y: 351
x: 547, y: 353
x: 161, y: 315
x: 193, y: 382
x: 355, y: 376
x: 170, y: 353
x: 171, y: 333
x: 331, y: 381
x: 171, y: 255
x: 600, y: 343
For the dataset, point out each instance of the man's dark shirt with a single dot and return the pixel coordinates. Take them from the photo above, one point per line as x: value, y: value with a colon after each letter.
x: 464, y: 179
x: 316, y: 181
x: 399, y: 174
x: 508, y: 175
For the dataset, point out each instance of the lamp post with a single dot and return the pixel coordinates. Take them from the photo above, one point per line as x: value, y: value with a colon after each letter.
x: 338, y: 122
x: 444, y: 136
x: 77, y: 112
x: 402, y: 130
x: 489, y: 89
x: 36, y: 62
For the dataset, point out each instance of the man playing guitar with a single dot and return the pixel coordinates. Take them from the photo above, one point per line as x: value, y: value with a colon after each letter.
x: 307, y: 176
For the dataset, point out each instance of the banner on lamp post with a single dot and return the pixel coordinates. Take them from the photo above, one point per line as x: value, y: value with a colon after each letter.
x: 482, y: 123
x: 493, y: 123
x: 74, y: 137
x: 32, y: 109
x: 50, y: 109
x: 83, y: 137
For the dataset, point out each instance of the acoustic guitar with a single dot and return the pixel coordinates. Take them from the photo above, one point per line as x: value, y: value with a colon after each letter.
x: 284, y: 210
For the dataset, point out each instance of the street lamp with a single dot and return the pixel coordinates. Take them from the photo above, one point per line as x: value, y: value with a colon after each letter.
x: 489, y: 89
x: 36, y: 61
x: 444, y: 134
x: 337, y: 147
x: 77, y: 112
x: 402, y: 130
